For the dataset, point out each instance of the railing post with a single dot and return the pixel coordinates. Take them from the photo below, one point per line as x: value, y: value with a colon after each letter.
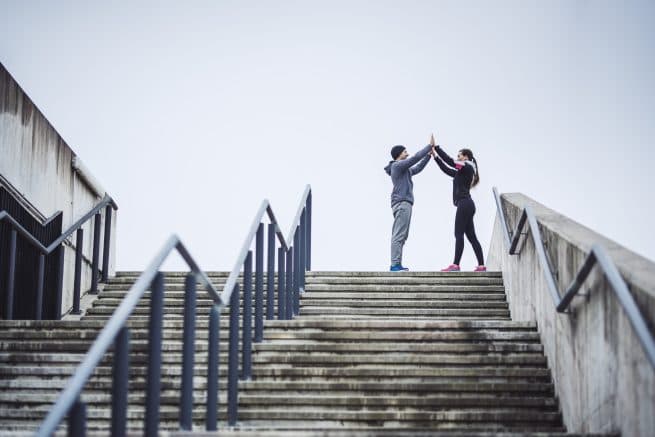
x: 281, y: 287
x: 96, y: 254
x: 233, y: 360
x: 11, y: 281
x: 247, y: 319
x: 309, y: 232
x: 270, y: 273
x: 60, y: 280
x: 39, y: 288
x: 106, y: 244
x: 78, y: 271
x: 288, y: 311
x: 77, y: 419
x: 296, y: 267
x: 120, y: 379
x: 188, y: 349
x: 153, y: 389
x: 211, y: 416
x: 259, y: 284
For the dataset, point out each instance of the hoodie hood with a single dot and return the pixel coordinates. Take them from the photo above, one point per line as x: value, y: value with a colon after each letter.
x: 388, y: 167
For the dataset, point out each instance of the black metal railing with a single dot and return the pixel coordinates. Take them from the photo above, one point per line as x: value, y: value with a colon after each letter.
x: 16, y: 229
x: 116, y: 332
x: 597, y: 255
x: 293, y: 261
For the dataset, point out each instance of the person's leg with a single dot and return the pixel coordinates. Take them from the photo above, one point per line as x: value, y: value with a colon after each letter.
x: 461, y: 218
x: 473, y: 239
x: 402, y: 216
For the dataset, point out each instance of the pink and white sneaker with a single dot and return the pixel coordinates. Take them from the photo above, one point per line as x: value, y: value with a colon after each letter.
x: 480, y: 269
x: 451, y: 268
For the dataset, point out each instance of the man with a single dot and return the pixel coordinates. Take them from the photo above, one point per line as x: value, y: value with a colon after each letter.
x: 401, y: 170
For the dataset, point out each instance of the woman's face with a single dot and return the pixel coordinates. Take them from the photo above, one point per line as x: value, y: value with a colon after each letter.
x: 461, y: 156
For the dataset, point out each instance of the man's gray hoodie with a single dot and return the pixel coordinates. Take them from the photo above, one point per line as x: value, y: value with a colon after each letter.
x: 401, y: 173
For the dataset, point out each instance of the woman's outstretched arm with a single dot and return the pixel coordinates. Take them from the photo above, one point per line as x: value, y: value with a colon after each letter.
x: 446, y: 158
x: 448, y: 170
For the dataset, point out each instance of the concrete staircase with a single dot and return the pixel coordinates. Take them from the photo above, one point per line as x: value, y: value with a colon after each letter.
x: 371, y: 354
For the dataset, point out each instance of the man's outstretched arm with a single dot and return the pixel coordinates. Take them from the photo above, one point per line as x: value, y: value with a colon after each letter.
x: 420, y: 166
x: 409, y: 162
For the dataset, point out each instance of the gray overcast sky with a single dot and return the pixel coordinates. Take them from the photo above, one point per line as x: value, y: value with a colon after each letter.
x: 190, y: 113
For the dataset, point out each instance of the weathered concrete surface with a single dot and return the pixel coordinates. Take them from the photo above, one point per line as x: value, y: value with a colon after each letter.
x: 37, y: 162
x: 602, y: 376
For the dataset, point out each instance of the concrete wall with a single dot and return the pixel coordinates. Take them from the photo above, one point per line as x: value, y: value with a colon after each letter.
x: 36, y: 163
x: 602, y: 376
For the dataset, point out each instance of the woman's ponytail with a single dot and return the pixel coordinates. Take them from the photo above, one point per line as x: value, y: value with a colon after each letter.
x: 476, y: 176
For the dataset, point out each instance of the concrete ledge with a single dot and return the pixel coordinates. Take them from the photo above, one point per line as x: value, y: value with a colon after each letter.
x: 602, y: 376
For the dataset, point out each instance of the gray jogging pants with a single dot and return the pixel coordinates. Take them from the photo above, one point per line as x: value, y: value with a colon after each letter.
x: 402, y: 216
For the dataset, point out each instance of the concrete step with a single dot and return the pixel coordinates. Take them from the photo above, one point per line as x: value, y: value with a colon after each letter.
x: 305, y: 359
x: 296, y: 334
x: 355, y: 276
x: 362, y: 279
x: 203, y: 318
x: 298, y: 323
x: 172, y: 295
x: 168, y: 346
x: 454, y: 310
x: 327, y: 428
x: 501, y: 361
x: 433, y: 401
x: 496, y: 415
x: 339, y: 274
x: 308, y: 335
x: 527, y: 359
x: 317, y: 389
x: 58, y: 376
x: 339, y: 289
x: 403, y: 288
x: 339, y: 303
x: 244, y: 430
x: 286, y: 372
x: 364, y: 386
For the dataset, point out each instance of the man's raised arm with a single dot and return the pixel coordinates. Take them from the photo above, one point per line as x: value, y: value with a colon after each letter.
x: 409, y: 162
x: 420, y: 166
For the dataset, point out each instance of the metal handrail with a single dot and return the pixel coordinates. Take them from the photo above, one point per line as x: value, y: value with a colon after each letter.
x: 597, y: 255
x: 290, y: 279
x: 265, y: 208
x: 306, y: 198
x: 107, y: 336
x: 108, y: 204
x: 107, y: 200
x: 4, y: 215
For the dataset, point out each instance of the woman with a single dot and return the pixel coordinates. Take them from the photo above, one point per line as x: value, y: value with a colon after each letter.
x: 465, y: 176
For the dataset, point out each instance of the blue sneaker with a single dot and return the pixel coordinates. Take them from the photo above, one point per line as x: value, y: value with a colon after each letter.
x: 398, y: 268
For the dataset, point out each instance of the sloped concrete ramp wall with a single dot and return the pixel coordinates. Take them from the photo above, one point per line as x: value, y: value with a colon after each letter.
x: 602, y: 376
x: 36, y: 165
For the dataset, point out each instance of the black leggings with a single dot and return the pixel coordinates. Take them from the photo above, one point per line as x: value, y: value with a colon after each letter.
x: 464, y: 225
